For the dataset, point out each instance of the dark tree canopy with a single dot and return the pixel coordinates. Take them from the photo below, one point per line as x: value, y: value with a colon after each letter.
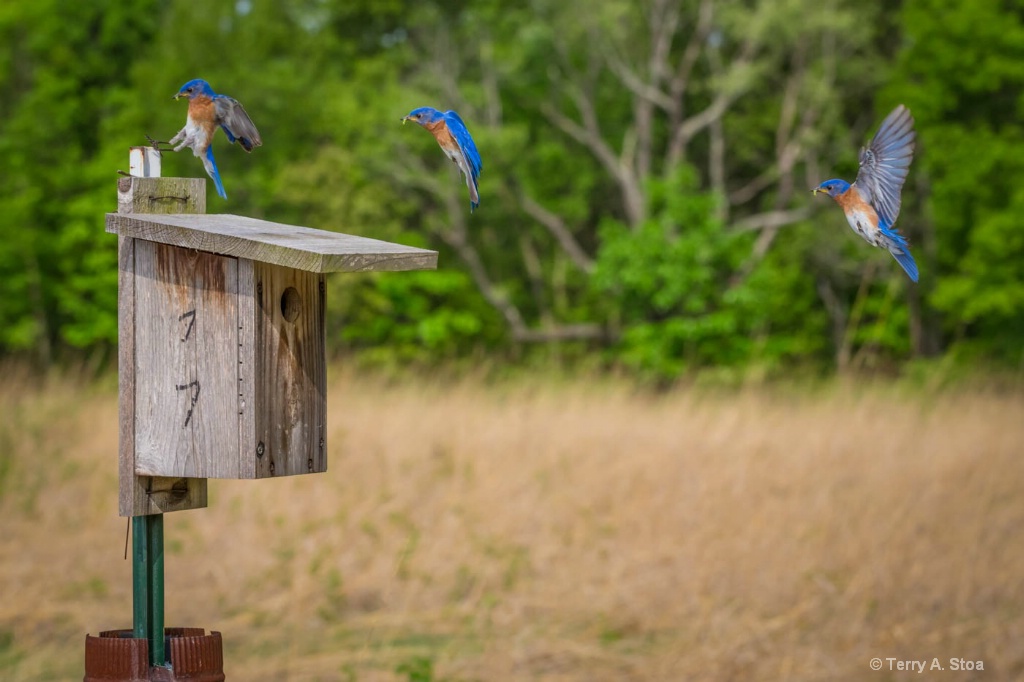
x: 647, y: 164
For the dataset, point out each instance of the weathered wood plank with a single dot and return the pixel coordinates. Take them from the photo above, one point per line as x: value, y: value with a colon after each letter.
x: 247, y: 381
x: 140, y: 496
x: 160, y: 495
x: 130, y: 497
x: 291, y: 246
x: 139, y: 196
x: 291, y: 373
x: 143, y: 495
x: 186, y: 362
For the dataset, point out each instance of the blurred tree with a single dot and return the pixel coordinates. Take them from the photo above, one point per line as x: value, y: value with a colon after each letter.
x: 592, y: 113
x: 62, y: 72
x: 645, y: 169
x: 962, y: 73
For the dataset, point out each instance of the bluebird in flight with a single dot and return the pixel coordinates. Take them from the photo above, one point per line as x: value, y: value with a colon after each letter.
x: 206, y: 111
x: 450, y: 132
x: 872, y: 202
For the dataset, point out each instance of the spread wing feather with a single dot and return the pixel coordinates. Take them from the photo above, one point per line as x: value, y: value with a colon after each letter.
x: 884, y: 164
x: 236, y: 123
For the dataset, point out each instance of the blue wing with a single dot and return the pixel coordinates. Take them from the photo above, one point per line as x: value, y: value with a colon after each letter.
x: 884, y: 164
x: 458, y: 130
x: 461, y: 135
x: 236, y: 123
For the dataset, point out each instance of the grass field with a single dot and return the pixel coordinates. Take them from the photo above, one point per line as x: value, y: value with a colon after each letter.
x: 548, y: 532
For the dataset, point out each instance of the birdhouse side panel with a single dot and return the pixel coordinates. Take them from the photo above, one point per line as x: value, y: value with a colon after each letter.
x: 186, y: 362
x: 291, y: 405
x: 247, y: 376
x: 140, y: 495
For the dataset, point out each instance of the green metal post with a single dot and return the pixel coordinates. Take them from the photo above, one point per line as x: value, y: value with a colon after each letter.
x: 156, y: 589
x: 148, y: 583
x: 140, y: 577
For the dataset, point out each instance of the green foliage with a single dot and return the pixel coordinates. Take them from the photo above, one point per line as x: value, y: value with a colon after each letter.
x: 671, y: 289
x: 590, y: 218
x: 416, y: 318
x: 963, y: 74
x: 62, y: 74
x: 788, y: 327
x: 666, y: 284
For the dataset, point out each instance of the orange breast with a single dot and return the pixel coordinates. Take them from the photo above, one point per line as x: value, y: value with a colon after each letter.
x: 851, y: 200
x: 202, y: 110
x: 440, y: 132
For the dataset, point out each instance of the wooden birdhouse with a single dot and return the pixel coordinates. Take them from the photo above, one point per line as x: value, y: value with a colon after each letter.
x: 222, y: 345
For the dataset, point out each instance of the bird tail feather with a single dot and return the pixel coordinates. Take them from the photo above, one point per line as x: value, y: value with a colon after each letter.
x: 211, y: 170
x: 896, y: 243
x: 904, y: 258
x: 474, y: 194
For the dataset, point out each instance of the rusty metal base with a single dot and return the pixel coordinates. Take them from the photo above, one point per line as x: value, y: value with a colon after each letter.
x: 116, y: 656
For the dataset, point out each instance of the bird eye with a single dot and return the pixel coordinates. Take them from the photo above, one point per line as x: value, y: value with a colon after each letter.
x: 419, y: 115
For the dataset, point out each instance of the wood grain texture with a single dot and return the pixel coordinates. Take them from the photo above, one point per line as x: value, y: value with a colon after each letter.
x: 247, y: 377
x: 144, y: 495
x: 303, y: 248
x: 140, y: 496
x: 290, y: 372
x: 137, y: 196
x: 186, y: 362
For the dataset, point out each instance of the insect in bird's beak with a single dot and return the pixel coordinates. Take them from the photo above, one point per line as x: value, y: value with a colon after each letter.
x: 176, y: 95
x: 404, y: 119
x: 816, y: 190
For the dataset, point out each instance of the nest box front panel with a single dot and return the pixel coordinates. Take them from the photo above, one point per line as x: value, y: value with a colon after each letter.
x: 291, y: 374
x: 186, y: 362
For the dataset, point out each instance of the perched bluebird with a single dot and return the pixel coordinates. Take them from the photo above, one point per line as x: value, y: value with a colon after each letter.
x: 872, y: 202
x: 206, y: 111
x: 450, y: 132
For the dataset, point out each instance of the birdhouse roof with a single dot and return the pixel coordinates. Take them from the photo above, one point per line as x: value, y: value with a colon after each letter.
x: 303, y: 248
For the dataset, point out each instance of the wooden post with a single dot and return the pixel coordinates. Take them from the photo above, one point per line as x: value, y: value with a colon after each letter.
x: 146, y: 498
x: 144, y: 162
x: 144, y: 495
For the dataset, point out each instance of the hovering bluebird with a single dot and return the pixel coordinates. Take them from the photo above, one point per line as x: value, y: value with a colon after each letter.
x: 872, y: 202
x: 450, y: 132
x: 206, y: 111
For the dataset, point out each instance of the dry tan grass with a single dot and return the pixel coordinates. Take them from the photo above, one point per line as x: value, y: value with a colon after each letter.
x: 580, y: 532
